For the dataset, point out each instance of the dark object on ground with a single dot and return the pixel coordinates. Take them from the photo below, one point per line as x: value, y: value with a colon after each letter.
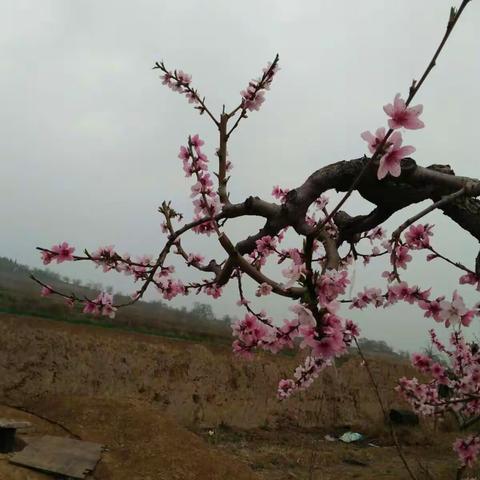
x: 60, y: 455
x: 8, y: 429
x: 354, y: 461
x: 403, y: 417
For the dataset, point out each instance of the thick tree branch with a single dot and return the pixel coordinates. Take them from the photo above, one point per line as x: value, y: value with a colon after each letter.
x: 416, y: 184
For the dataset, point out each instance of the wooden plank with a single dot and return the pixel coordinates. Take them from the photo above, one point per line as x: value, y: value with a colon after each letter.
x: 9, y: 423
x: 60, y: 455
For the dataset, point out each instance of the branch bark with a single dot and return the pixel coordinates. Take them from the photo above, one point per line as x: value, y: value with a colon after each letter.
x: 390, y: 195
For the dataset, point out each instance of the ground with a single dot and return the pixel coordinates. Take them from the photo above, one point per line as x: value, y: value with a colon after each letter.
x: 174, y: 410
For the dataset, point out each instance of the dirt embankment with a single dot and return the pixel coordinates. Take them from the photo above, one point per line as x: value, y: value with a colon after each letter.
x: 199, y: 385
x: 135, y: 394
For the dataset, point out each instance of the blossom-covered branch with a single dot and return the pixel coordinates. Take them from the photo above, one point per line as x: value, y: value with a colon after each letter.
x: 315, y: 271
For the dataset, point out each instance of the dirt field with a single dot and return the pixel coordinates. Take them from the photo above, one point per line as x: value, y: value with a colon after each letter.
x: 176, y: 410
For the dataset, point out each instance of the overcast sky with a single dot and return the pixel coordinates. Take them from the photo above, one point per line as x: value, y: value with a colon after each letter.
x: 90, y: 136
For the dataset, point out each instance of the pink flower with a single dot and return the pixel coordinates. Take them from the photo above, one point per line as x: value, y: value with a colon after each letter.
x: 196, y: 141
x: 170, y: 288
x: 47, y: 257
x: 438, y: 372
x: 263, y: 289
x: 467, y: 318
x: 105, y: 256
x: 183, y: 77
x: 205, y: 227
x: 452, y: 312
x: 213, y: 290
x: 417, y: 236
x: 184, y: 154
x: 91, y: 307
x: 46, y: 291
x: 103, y: 304
x: 166, y: 79
x: 280, y: 193
x: 62, y: 252
x: 403, y: 116
x: 374, y: 140
x: 285, y: 388
x: 252, y: 99
x: 331, y: 284
x: 390, y: 162
x: 325, y: 348
x: 266, y: 245
x: 293, y: 273
x: 422, y: 362
x: 192, y: 97
x: 432, y: 308
x: 369, y: 295
x: 203, y: 185
x: 243, y: 302
x: 467, y: 449
x: 400, y: 291
x: 195, y: 259
x: 376, y: 233
x: 253, y: 96
x: 470, y: 279
x: 402, y: 256
x: 304, y: 315
x: 351, y: 329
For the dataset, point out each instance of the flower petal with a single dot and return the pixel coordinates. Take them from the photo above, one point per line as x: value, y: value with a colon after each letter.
x: 368, y: 136
x: 382, y: 169
x: 405, y: 151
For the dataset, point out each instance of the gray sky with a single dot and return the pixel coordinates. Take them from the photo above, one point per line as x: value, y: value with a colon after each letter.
x: 90, y: 137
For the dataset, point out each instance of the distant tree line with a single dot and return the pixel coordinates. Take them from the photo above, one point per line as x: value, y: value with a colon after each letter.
x: 19, y: 294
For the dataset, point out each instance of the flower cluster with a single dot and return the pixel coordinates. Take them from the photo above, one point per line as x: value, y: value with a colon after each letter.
x: 62, y: 252
x: 102, y: 305
x: 170, y: 288
x: 331, y: 284
x: 452, y: 312
x: 280, y: 193
x: 454, y: 385
x: 467, y: 449
x: 323, y: 333
x: 206, y: 200
x: 179, y: 81
x: 304, y: 376
x: 254, y: 95
x: 368, y: 296
x: 417, y: 237
x: 388, y: 145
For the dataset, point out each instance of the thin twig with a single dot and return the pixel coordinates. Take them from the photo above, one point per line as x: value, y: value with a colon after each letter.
x: 396, y: 234
x: 440, y: 203
x: 451, y: 262
x: 387, y: 417
x: 222, y: 160
x: 194, y: 93
x: 260, y: 86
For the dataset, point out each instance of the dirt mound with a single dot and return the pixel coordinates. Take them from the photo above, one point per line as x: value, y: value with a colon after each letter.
x: 197, y: 384
x: 141, y: 442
